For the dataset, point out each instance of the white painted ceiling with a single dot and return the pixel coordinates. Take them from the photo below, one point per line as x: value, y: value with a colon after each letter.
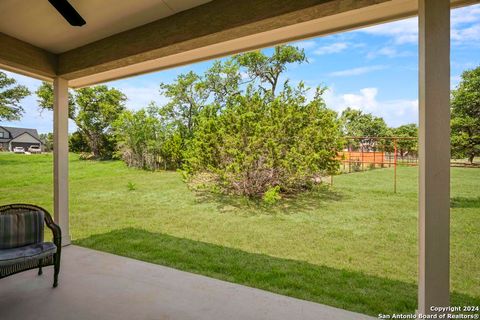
x: 37, y: 22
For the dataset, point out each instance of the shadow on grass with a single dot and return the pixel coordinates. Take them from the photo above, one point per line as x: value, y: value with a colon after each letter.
x: 344, y: 289
x: 465, y: 202
x: 287, y: 205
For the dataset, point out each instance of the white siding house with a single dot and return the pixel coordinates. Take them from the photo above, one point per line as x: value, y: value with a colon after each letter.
x: 18, y: 137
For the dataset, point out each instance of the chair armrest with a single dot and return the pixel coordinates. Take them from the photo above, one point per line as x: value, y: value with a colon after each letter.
x: 56, y: 231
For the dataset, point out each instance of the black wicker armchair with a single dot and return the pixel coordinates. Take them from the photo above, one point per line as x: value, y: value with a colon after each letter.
x: 21, y: 240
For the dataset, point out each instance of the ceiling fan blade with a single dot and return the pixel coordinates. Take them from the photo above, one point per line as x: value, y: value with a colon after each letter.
x: 68, y: 12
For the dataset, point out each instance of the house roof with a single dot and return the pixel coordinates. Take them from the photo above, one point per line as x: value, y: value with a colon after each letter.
x: 16, y: 132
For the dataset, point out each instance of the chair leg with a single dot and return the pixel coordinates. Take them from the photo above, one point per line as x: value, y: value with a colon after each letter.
x: 40, y: 272
x: 56, y: 270
x: 55, y: 280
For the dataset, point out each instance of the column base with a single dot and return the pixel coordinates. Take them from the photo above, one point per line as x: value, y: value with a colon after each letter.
x: 66, y: 240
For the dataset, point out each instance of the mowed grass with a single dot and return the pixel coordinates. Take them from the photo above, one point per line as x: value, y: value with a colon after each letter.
x: 352, y: 246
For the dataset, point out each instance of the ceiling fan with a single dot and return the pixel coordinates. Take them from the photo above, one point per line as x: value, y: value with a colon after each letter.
x: 68, y: 12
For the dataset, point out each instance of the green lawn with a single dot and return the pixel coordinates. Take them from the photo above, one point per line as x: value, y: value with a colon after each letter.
x: 353, y: 246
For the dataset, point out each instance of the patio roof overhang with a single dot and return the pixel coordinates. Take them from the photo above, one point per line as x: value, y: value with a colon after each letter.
x: 195, y: 30
x: 196, y: 34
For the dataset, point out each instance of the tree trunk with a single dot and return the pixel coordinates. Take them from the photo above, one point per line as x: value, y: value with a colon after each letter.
x: 471, y: 157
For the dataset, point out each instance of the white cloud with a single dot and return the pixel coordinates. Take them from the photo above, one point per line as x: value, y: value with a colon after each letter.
x: 394, y: 112
x: 356, y: 71
x: 140, y: 97
x: 464, y: 15
x: 390, y: 52
x: 244, y: 75
x: 306, y: 44
x: 402, y: 32
x: 332, y: 48
x: 466, y: 35
x: 465, y: 27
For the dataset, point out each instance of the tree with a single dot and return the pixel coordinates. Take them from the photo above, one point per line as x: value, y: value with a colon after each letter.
x: 188, y: 95
x: 223, y: 80
x: 267, y: 69
x: 45, y: 99
x: 406, y: 147
x: 98, y: 108
x: 465, y: 121
x: 93, y: 110
x: 10, y: 96
x: 47, y: 141
x: 355, y: 123
x: 147, y: 141
x: 78, y: 143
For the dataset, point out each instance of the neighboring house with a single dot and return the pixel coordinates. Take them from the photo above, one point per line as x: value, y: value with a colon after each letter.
x: 18, y: 137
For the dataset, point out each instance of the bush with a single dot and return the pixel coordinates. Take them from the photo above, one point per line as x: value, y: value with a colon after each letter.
x: 272, y: 195
x: 257, y: 144
x: 146, y: 141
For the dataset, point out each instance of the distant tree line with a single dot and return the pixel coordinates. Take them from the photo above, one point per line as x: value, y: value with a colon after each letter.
x: 241, y: 127
x: 356, y: 123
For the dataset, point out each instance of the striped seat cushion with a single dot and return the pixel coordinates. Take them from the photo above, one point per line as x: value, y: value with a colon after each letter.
x: 19, y: 229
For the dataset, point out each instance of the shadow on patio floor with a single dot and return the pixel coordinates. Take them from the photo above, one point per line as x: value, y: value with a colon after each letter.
x: 344, y: 289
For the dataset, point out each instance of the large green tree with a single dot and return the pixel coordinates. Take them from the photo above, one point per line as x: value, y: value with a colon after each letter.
x: 407, y: 146
x: 93, y: 110
x: 11, y: 94
x: 465, y: 123
x: 45, y: 99
x: 268, y: 69
x: 356, y: 123
x: 187, y: 96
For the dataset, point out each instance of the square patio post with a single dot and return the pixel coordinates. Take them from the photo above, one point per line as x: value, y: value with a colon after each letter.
x: 60, y: 156
x: 434, y: 154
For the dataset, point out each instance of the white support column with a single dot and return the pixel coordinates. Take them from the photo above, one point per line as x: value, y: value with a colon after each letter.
x: 60, y: 156
x: 434, y: 154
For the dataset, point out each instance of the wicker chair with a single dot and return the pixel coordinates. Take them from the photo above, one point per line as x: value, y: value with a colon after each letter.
x: 21, y: 240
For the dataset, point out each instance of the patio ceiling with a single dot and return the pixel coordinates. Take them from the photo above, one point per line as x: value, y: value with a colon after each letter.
x: 38, y: 23
x: 124, y: 38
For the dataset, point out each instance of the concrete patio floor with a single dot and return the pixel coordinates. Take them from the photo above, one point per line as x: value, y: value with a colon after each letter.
x: 98, y: 285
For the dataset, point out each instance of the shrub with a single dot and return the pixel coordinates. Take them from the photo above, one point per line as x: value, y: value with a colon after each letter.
x: 131, y: 186
x: 272, y: 195
x: 257, y: 142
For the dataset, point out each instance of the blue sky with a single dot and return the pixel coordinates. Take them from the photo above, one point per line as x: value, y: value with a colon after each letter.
x: 373, y: 69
